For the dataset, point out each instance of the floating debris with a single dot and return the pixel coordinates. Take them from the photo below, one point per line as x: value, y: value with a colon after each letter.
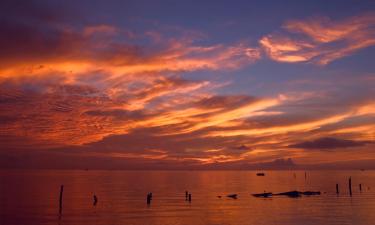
x: 261, y: 174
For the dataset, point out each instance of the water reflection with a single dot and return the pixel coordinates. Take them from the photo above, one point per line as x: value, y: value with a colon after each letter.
x: 32, y: 197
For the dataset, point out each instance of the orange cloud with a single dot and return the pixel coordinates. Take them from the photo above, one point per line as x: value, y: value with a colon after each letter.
x: 299, y: 127
x: 322, y: 40
x: 101, y: 54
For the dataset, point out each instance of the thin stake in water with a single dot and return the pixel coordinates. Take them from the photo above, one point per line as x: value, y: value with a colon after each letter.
x: 61, y: 199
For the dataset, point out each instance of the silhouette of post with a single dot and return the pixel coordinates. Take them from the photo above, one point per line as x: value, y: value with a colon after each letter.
x: 61, y: 198
x: 350, y: 186
x: 337, y: 188
x: 360, y: 187
x: 189, y: 197
x: 186, y: 195
x: 95, y: 200
x: 149, y: 198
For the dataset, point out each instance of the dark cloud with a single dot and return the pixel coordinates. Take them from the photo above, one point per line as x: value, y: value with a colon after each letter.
x: 328, y: 143
x: 31, y: 29
x: 118, y: 114
x: 243, y: 148
x: 225, y: 101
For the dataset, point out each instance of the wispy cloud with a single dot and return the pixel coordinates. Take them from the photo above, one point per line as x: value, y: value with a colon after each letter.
x: 320, y: 40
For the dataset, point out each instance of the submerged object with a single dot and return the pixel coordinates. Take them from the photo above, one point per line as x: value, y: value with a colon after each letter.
x: 261, y: 174
x: 263, y: 195
x: 234, y: 196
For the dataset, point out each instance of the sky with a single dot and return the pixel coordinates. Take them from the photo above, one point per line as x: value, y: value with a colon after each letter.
x: 187, y: 84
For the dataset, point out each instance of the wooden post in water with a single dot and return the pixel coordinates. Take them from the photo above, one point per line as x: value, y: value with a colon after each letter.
x: 350, y: 186
x: 95, y: 200
x: 189, y: 197
x: 305, y: 176
x: 149, y: 198
x: 360, y: 187
x: 61, y: 198
x: 186, y: 195
x: 337, y: 188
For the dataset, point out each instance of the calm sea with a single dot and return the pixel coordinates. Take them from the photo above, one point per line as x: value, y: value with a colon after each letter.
x: 31, y: 197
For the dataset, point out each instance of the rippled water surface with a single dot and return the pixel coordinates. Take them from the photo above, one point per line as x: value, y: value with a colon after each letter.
x: 31, y: 197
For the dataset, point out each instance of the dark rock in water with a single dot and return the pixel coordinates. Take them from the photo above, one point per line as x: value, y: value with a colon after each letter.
x: 234, y: 196
x: 292, y: 194
x: 263, y: 195
x: 261, y: 174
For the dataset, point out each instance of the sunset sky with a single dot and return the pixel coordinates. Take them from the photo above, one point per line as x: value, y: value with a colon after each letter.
x: 187, y: 84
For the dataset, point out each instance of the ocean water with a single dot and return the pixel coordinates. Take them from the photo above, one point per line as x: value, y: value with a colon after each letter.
x: 32, y: 197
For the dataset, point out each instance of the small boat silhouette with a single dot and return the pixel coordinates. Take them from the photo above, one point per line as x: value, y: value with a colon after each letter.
x: 261, y: 174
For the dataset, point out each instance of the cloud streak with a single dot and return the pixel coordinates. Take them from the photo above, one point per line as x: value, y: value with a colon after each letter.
x: 320, y: 40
